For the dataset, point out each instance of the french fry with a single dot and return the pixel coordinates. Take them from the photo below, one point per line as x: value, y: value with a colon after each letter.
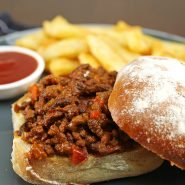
x: 31, y: 41
x: 131, y: 39
x: 85, y: 58
x: 60, y: 28
x: 137, y: 42
x: 111, y: 32
x: 62, y: 66
x: 124, y: 53
x: 96, y: 29
x: 111, y: 47
x: 119, y: 37
x: 174, y: 50
x: 35, y: 40
x: 123, y: 26
x: 107, y: 57
x: 65, y: 48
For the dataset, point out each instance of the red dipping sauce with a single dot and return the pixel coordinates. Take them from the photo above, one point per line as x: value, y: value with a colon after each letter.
x: 15, y: 66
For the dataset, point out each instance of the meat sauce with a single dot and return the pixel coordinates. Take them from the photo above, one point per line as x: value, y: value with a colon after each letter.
x: 15, y: 66
x: 69, y: 116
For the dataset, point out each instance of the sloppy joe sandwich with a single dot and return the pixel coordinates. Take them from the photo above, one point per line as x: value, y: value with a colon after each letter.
x: 64, y: 132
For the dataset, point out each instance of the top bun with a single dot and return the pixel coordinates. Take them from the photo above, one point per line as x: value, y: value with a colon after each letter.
x: 148, y: 103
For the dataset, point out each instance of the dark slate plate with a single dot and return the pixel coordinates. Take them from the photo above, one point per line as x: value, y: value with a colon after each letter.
x: 163, y: 175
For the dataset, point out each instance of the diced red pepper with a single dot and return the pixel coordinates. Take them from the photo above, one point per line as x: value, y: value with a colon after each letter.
x: 34, y: 92
x: 78, y: 155
x: 16, y: 107
x: 95, y: 114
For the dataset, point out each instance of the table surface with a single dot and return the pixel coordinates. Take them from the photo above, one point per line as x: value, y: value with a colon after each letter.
x: 165, y: 15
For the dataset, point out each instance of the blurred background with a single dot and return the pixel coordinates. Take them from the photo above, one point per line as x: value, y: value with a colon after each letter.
x: 165, y: 15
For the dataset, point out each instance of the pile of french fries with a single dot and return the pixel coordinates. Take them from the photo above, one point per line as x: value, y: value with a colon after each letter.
x: 64, y: 46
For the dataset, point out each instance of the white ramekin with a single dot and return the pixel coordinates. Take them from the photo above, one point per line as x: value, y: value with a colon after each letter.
x: 13, y: 89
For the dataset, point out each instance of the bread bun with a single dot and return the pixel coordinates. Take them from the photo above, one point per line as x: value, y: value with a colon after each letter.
x: 148, y: 103
x: 59, y: 170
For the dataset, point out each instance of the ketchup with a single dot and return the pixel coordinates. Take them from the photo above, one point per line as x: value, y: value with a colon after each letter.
x: 15, y: 66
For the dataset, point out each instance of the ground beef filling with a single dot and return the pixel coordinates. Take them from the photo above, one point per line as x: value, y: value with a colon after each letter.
x: 69, y: 116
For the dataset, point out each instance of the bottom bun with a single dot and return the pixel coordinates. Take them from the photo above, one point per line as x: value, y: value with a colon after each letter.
x: 59, y: 170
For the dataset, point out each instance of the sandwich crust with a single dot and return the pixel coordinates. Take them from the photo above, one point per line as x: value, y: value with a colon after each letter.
x: 58, y: 170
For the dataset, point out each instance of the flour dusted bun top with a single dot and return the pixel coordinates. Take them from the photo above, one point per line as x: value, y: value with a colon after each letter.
x: 148, y: 103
